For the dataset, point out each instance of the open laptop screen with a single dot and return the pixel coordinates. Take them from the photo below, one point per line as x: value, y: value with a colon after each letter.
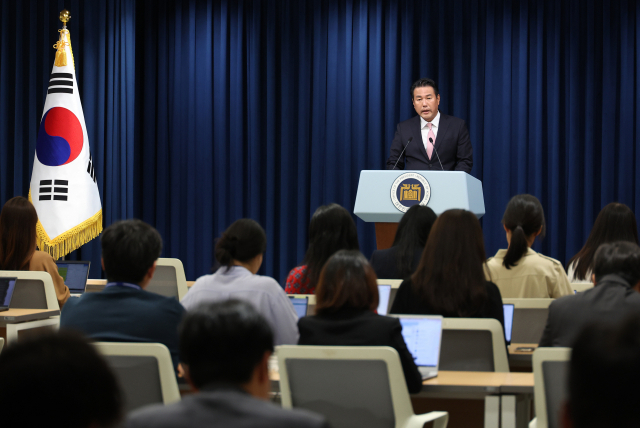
x: 7, y: 285
x: 508, y: 320
x: 75, y: 274
x: 384, y: 292
x: 423, y: 336
x: 300, y: 305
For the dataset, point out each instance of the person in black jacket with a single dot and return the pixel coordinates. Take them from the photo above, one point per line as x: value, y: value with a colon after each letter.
x: 450, y: 279
x: 401, y: 260
x: 346, y: 300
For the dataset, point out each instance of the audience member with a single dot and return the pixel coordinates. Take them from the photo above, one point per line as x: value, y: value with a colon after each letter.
x: 331, y: 229
x: 401, y: 260
x: 57, y: 380
x: 450, y: 278
x: 616, y: 222
x: 603, y: 376
x: 240, y: 251
x: 617, y: 282
x: 346, y: 300
x: 520, y: 272
x: 225, y: 349
x: 124, y: 311
x: 18, y: 221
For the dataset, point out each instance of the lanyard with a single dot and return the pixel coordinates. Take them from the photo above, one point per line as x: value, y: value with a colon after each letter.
x: 124, y: 284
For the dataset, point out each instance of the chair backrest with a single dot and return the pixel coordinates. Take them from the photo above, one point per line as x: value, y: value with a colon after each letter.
x: 395, y: 284
x: 473, y: 344
x: 550, y: 373
x: 581, y: 286
x: 34, y: 290
x: 144, y: 370
x: 169, y: 279
x: 1, y: 343
x: 350, y: 386
x: 529, y: 319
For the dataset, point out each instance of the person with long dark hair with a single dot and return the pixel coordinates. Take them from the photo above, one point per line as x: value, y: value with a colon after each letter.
x: 346, y: 300
x: 18, y: 251
x: 450, y: 279
x: 240, y: 251
x: 519, y: 271
x: 401, y: 260
x: 331, y: 229
x: 616, y: 222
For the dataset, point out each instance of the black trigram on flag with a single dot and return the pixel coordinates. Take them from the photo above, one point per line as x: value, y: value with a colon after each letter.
x: 90, y: 170
x: 61, y: 83
x: 53, y: 189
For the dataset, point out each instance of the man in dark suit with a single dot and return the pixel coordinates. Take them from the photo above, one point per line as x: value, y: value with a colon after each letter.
x: 617, y: 278
x: 124, y: 311
x: 431, y: 140
x: 224, y: 350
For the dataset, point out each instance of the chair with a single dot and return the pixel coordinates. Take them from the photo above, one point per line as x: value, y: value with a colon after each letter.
x: 1, y: 343
x: 350, y: 386
x: 169, y: 279
x: 550, y: 372
x: 395, y: 284
x: 529, y: 319
x: 473, y: 344
x: 581, y: 286
x: 34, y: 290
x: 144, y: 370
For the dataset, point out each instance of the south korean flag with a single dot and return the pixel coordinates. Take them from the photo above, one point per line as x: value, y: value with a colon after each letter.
x: 63, y: 185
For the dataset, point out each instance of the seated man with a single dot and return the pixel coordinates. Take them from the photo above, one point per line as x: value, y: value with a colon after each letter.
x: 603, y: 376
x: 224, y: 350
x: 57, y: 380
x: 124, y: 311
x: 617, y: 282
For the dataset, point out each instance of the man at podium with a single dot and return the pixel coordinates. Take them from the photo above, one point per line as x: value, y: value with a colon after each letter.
x: 431, y: 140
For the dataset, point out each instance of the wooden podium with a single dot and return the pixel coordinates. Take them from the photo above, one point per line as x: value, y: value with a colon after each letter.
x: 448, y: 190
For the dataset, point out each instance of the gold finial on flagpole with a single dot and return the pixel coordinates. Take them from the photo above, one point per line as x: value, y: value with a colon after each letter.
x: 61, y: 55
x: 65, y: 16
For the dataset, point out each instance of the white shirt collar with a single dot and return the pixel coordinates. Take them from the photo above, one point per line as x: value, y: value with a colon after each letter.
x: 435, y: 122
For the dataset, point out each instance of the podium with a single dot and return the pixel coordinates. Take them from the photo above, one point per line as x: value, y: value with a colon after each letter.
x: 444, y: 190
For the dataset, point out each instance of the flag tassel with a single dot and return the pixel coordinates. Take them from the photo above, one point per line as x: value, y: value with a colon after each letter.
x: 61, y: 53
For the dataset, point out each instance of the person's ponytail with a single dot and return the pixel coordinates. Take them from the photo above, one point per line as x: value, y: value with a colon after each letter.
x: 242, y: 241
x: 517, y: 248
x: 524, y: 217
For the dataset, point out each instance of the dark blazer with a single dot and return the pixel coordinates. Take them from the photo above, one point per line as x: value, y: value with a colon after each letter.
x: 385, y: 263
x: 222, y: 406
x: 124, y: 314
x: 360, y: 328
x: 406, y: 302
x: 610, y: 300
x: 452, y: 144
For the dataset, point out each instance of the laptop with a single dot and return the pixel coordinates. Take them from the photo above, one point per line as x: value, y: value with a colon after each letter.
x: 300, y: 304
x: 384, y: 292
x: 423, y: 335
x: 508, y: 320
x: 75, y: 275
x: 7, y: 285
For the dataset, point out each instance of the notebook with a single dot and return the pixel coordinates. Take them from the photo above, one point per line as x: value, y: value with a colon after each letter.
x: 7, y: 285
x: 508, y: 320
x: 300, y: 304
x: 75, y: 275
x: 384, y: 292
x: 423, y: 335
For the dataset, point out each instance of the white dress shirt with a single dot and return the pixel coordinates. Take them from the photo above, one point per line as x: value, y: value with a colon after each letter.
x: 424, y: 129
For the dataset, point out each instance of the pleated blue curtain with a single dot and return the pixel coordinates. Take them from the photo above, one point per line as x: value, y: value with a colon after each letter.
x: 202, y: 112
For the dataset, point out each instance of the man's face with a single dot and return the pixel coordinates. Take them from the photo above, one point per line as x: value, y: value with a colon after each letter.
x: 426, y: 102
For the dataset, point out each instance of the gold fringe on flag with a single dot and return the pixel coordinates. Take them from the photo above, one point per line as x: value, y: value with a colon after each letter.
x: 70, y: 240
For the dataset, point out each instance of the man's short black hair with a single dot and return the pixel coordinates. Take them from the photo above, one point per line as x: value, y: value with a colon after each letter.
x: 619, y: 258
x: 425, y: 81
x: 604, y: 375
x: 57, y: 379
x: 129, y: 248
x: 224, y: 342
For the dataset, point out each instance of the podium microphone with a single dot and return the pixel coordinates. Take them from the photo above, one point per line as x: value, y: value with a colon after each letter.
x: 405, y: 146
x: 434, y: 149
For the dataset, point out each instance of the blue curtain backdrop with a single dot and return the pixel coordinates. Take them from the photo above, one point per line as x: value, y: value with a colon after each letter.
x: 203, y: 112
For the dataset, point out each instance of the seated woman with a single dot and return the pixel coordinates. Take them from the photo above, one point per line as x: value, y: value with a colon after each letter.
x: 18, y: 221
x: 331, y: 229
x: 450, y: 278
x: 519, y: 271
x: 616, y: 222
x: 239, y: 251
x: 401, y: 260
x: 346, y: 300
